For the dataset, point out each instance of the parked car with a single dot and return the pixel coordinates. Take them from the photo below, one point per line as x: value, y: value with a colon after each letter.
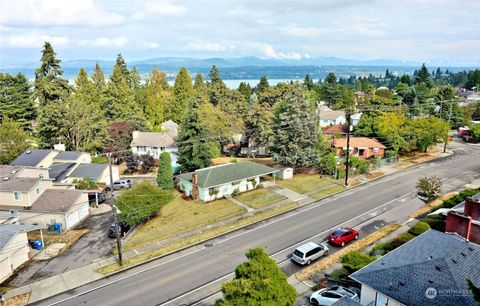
x: 93, y: 196
x: 342, y: 236
x: 124, y: 228
x: 308, y: 252
x: 328, y: 296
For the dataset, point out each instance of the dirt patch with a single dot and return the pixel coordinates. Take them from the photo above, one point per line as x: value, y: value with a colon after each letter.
x: 21, y: 299
x: 69, y: 237
x: 335, y: 258
x: 374, y: 175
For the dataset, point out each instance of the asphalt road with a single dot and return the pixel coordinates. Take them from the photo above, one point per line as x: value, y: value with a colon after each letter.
x: 167, y: 278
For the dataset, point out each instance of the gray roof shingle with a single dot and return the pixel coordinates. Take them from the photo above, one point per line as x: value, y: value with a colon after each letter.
x: 218, y: 175
x: 31, y: 157
x: 92, y: 171
x: 9, y: 170
x: 8, y: 231
x: 18, y: 183
x: 68, y: 155
x: 154, y: 139
x: 58, y: 171
x: 432, y: 260
x: 345, y: 301
x: 56, y: 200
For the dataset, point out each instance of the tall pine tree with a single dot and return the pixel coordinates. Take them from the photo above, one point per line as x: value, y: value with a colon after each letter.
x: 16, y: 100
x: 158, y: 97
x: 182, y: 95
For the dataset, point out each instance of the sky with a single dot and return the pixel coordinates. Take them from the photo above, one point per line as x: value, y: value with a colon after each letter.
x: 431, y: 31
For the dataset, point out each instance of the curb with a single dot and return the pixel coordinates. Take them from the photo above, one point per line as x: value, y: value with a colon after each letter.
x: 250, y: 224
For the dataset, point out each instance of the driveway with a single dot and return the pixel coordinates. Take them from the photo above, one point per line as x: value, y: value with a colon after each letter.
x: 91, y: 246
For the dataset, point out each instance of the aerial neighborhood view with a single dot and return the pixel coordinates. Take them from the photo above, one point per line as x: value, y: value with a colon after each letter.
x: 240, y: 153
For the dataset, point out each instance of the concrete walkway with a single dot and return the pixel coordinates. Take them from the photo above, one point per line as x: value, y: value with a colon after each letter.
x: 238, y: 203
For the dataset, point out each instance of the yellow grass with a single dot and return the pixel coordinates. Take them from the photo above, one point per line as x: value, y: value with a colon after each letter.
x: 209, y: 234
x: 327, y: 192
x: 21, y: 299
x: 69, y: 237
x: 374, y: 175
x: 335, y: 258
x: 180, y: 216
x: 259, y: 198
x: 437, y: 202
x: 303, y: 183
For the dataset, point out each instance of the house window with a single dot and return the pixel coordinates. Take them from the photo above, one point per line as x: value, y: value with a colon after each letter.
x: 38, y: 190
x: 361, y: 152
x: 376, y: 150
x: 17, y: 195
x: 141, y: 149
x: 40, y: 175
x: 381, y: 299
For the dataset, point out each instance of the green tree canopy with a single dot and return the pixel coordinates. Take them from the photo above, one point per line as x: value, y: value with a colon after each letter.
x: 16, y: 100
x: 165, y: 173
x: 13, y: 141
x: 182, y: 95
x: 258, y: 281
x: 158, y: 97
x: 263, y: 84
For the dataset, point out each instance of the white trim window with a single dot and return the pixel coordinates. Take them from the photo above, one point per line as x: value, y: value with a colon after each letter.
x: 141, y: 149
x: 17, y: 195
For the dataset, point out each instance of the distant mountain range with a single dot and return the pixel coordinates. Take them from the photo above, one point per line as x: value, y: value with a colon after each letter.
x: 249, y: 67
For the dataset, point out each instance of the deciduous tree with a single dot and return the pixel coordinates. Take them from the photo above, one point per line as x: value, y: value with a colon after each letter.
x: 13, y: 140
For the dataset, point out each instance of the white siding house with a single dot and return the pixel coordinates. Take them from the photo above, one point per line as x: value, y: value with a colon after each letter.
x: 327, y: 118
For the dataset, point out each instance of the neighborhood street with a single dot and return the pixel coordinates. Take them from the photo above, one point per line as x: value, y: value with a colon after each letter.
x: 165, y: 279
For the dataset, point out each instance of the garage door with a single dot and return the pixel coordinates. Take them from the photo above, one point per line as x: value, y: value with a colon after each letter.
x: 72, y: 219
x: 83, y: 211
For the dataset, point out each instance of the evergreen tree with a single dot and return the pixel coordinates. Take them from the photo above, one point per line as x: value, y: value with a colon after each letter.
x: 199, y: 83
x: 308, y: 82
x: 85, y: 88
x: 296, y: 134
x: 16, y: 101
x: 258, y: 123
x: 214, y: 75
x: 244, y: 89
x: 405, y: 79
x: 98, y: 77
x: 423, y: 76
x: 165, y: 173
x: 182, y: 95
x: 263, y: 84
x: 258, y: 281
x: 195, y: 147
x: 158, y: 97
x: 13, y: 141
x: 331, y: 92
x: 49, y: 84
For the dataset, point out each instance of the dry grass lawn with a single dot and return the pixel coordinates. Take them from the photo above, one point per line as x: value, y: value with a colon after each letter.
x: 209, y: 234
x: 303, y: 183
x: 259, y: 198
x: 180, y: 216
x: 335, y: 258
x: 69, y: 237
x: 328, y: 192
x: 21, y: 299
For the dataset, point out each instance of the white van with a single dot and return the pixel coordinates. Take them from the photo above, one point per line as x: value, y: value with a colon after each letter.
x: 308, y: 252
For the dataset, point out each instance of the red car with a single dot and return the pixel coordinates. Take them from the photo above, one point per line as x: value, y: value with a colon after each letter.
x: 342, y: 235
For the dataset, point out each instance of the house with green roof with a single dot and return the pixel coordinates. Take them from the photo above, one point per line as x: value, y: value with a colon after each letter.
x: 216, y: 182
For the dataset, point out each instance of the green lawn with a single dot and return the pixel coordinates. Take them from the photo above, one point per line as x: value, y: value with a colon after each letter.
x: 180, y: 216
x: 327, y: 192
x: 259, y: 198
x: 303, y: 183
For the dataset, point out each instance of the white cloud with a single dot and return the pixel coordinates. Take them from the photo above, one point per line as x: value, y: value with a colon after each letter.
x: 304, y: 31
x: 269, y: 51
x: 209, y: 46
x: 34, y: 40
x: 119, y: 41
x: 56, y: 13
x: 368, y: 30
x: 162, y: 7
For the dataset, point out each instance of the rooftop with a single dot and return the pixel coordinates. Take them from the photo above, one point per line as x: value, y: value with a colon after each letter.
x: 359, y: 142
x: 31, y: 157
x: 8, y: 231
x: 9, y: 170
x: 88, y: 170
x: 330, y: 115
x: 153, y: 139
x: 18, y: 183
x: 57, y: 200
x: 432, y: 260
x: 58, y: 171
x: 226, y: 173
x: 68, y: 155
x: 335, y: 129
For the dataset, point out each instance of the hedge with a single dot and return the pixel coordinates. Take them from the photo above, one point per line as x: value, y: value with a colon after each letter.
x: 400, y: 240
x: 355, y: 260
x: 419, y: 228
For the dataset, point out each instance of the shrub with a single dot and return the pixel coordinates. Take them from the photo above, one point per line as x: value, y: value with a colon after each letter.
x: 429, y: 186
x: 360, y: 165
x: 165, y: 173
x: 85, y: 184
x: 147, y: 162
x: 259, y: 186
x: 381, y: 249
x: 436, y: 222
x: 235, y: 192
x: 355, y: 260
x: 400, y: 240
x: 339, y: 274
x: 100, y: 159
x: 234, y: 160
x: 340, y: 173
x: 419, y: 228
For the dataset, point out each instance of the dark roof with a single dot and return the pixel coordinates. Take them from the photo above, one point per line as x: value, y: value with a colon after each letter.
x: 8, y: 231
x: 18, y: 183
x: 56, y: 200
x: 31, y: 157
x: 68, y: 155
x: 346, y: 301
x: 432, y: 260
x: 88, y: 170
x: 218, y: 175
x: 58, y: 171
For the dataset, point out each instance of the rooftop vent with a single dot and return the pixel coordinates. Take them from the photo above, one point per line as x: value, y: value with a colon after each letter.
x: 430, y: 281
x: 438, y: 268
x: 454, y: 261
x: 463, y: 254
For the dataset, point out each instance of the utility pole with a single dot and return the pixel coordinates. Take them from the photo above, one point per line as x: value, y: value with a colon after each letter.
x: 348, y: 147
x: 449, y: 118
x: 114, y: 211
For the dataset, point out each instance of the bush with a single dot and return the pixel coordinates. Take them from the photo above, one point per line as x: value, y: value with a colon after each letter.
x: 436, y: 222
x: 400, y: 240
x: 234, y: 160
x: 381, y: 249
x: 339, y: 274
x: 340, y: 173
x: 429, y: 187
x: 419, y: 228
x: 235, y: 192
x: 100, y: 159
x: 85, y: 184
x: 147, y: 162
x: 355, y: 260
x: 165, y: 173
x: 360, y: 165
x: 259, y: 186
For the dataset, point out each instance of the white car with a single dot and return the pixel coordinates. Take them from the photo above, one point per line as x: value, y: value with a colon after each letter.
x: 121, y: 185
x: 328, y: 296
x: 308, y: 252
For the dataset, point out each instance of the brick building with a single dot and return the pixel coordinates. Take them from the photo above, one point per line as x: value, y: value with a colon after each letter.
x: 466, y: 224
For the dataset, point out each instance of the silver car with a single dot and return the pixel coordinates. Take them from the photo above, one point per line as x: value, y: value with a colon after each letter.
x: 328, y: 296
x: 308, y: 252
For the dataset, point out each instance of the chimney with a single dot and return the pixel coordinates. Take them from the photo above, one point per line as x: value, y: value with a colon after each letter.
x: 59, y: 147
x: 195, y: 186
x: 194, y: 179
x: 472, y: 208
